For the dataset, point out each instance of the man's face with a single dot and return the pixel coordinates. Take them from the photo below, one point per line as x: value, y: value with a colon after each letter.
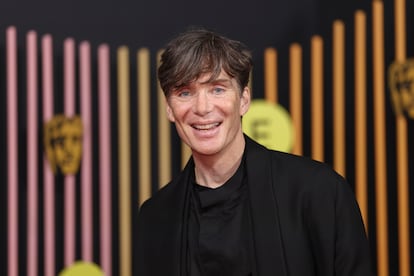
x: 207, y: 113
x: 68, y: 148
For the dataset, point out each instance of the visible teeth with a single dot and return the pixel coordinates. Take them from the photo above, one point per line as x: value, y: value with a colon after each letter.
x: 205, y: 127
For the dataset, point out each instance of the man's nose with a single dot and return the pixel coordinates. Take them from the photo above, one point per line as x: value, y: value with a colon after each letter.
x: 202, y: 104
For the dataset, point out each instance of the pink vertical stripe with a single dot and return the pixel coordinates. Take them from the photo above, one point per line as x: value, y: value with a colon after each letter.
x: 69, y: 77
x: 105, y: 157
x: 13, y: 227
x: 32, y: 164
x: 70, y: 180
x: 49, y: 185
x: 86, y: 170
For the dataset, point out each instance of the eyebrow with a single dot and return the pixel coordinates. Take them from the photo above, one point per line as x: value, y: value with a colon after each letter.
x: 215, y: 81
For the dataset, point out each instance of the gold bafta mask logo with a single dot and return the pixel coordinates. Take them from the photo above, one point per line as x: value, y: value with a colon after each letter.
x: 63, y: 143
x: 401, y: 83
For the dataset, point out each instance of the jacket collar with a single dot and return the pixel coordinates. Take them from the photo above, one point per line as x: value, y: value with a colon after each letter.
x: 267, y: 240
x: 269, y: 251
x: 175, y: 219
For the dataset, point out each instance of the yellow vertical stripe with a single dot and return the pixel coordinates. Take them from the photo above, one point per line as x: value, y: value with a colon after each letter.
x: 402, y: 151
x: 164, y: 137
x: 295, y: 82
x: 270, y: 73
x: 317, y: 98
x: 185, y: 154
x: 144, y: 126
x: 361, y: 166
x: 379, y: 138
x: 339, y: 96
x: 124, y: 162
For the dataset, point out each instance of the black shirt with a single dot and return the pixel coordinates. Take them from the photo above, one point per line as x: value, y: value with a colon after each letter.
x: 219, y: 236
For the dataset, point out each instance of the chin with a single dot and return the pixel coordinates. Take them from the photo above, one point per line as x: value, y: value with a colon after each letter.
x: 205, y: 151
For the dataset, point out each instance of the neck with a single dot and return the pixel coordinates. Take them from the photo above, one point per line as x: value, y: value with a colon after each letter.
x: 213, y: 171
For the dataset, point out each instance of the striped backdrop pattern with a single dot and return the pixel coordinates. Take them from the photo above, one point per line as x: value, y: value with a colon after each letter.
x: 130, y: 150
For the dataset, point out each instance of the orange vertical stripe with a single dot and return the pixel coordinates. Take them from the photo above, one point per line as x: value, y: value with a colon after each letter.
x: 400, y: 30
x: 144, y: 128
x: 403, y: 194
x: 124, y: 162
x: 295, y: 81
x: 270, y: 74
x: 339, y: 96
x: 379, y: 138
x: 317, y: 98
x: 402, y: 151
x: 164, y: 137
x: 185, y: 154
x: 360, y: 74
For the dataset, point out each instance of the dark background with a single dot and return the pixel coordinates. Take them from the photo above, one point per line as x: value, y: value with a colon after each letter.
x: 259, y: 24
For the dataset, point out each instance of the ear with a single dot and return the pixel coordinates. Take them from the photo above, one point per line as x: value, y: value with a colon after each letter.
x: 245, y: 101
x: 170, y: 114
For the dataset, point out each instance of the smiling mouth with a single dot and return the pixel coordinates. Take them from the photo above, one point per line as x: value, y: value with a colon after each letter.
x: 206, y: 127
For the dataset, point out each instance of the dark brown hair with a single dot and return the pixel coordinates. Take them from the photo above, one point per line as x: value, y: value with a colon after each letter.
x: 199, y: 51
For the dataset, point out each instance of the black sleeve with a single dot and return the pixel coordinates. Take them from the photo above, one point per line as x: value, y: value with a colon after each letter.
x: 339, y: 243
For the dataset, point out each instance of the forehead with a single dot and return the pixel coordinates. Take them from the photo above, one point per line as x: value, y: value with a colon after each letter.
x: 209, y: 78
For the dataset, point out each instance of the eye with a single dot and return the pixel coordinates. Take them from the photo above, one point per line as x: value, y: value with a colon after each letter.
x: 183, y: 94
x: 218, y: 90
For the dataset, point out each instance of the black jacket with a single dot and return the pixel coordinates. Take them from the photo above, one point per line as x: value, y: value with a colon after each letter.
x: 305, y: 220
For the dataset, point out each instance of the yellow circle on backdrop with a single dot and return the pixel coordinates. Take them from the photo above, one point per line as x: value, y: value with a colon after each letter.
x: 269, y: 124
x: 82, y: 269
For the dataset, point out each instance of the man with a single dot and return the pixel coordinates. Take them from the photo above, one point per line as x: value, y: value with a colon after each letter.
x: 238, y: 208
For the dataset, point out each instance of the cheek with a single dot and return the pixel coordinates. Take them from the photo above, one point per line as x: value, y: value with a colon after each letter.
x: 178, y: 112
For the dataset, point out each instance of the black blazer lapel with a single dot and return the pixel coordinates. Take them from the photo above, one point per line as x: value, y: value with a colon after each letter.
x: 181, y: 213
x: 163, y: 245
x: 268, y: 243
